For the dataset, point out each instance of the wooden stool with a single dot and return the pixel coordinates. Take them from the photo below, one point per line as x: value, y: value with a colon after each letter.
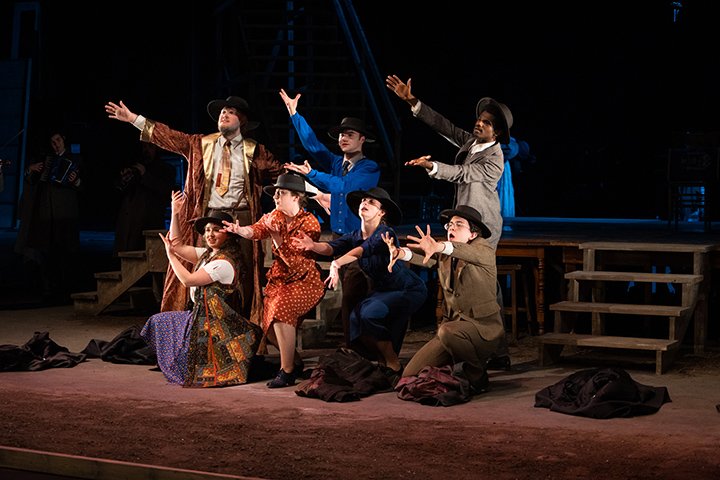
x: 510, y: 270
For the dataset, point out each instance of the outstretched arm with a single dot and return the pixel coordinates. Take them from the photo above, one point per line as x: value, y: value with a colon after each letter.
x: 242, y: 230
x: 352, y: 256
x: 426, y: 243
x: 423, y: 161
x: 120, y: 112
x: 401, y: 89
x: 184, y: 251
x: 186, y: 277
x: 395, y: 252
x: 304, y: 242
x: 290, y: 103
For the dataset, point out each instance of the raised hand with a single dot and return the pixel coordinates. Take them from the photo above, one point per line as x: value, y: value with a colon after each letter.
x: 290, y: 103
x: 177, y: 199
x: 425, y: 242
x: 169, y: 244
x: 394, y: 251
x: 423, y: 161
x: 401, y: 89
x: 302, y: 241
x: 120, y: 112
x: 294, y: 167
x: 237, y: 229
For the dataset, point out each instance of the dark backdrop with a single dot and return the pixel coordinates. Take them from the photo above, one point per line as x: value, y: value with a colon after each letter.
x: 599, y: 90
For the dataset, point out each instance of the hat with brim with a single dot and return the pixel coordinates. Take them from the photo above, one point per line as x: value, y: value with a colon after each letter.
x: 289, y: 181
x: 393, y: 214
x: 469, y: 214
x: 214, y: 216
x: 215, y: 107
x: 502, y: 114
x: 352, y: 123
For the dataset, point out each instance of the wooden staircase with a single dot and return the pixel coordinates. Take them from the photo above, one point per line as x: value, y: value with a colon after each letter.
x: 117, y: 285
x: 593, y: 280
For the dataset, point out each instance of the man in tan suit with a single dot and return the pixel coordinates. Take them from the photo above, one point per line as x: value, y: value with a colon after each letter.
x: 472, y: 326
x: 226, y: 172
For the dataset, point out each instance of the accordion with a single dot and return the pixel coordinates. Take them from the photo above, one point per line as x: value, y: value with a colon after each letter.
x: 60, y: 170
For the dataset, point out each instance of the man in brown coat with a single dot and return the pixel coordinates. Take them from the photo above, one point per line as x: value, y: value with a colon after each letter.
x: 472, y: 326
x: 226, y: 172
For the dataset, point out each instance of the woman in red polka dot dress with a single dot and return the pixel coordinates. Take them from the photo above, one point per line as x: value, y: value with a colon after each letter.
x: 294, y: 286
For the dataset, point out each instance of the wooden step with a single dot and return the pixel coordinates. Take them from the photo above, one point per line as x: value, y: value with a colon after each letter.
x: 607, y: 341
x: 132, y: 254
x: 551, y: 345
x: 645, y: 247
x: 633, y: 277
x: 621, y: 308
x: 116, y: 275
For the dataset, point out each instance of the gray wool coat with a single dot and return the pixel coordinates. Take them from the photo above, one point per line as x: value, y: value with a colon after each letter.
x: 475, y: 176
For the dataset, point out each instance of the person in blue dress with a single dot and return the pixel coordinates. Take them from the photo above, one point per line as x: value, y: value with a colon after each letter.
x: 379, y: 322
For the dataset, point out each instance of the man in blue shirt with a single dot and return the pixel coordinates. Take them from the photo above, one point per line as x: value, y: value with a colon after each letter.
x: 347, y: 172
x: 344, y: 173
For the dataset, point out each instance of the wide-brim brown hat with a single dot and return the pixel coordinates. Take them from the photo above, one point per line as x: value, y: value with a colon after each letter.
x: 238, y: 103
x: 468, y: 213
x: 289, y: 181
x: 501, y: 112
x: 352, y: 123
x: 214, y: 216
x: 393, y: 214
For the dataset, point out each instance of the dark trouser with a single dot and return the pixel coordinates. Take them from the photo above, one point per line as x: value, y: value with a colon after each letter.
x: 354, y: 289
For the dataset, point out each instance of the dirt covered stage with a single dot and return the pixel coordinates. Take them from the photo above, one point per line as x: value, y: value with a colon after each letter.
x: 128, y: 413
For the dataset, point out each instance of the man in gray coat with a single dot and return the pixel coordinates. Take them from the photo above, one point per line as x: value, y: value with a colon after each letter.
x: 478, y: 164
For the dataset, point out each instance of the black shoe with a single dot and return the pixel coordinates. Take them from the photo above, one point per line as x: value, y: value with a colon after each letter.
x: 501, y: 362
x: 282, y: 379
x: 298, y: 370
x: 393, y: 376
x: 481, y: 386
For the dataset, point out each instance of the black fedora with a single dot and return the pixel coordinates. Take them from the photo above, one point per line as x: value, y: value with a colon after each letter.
x: 352, y: 123
x: 288, y: 181
x: 393, y: 214
x: 501, y: 112
x: 215, y: 107
x: 213, y: 216
x: 468, y: 213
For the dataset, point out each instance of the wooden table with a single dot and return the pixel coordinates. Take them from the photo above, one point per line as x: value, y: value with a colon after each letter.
x: 536, y: 250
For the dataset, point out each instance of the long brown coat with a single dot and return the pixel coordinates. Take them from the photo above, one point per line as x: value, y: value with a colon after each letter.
x: 261, y: 167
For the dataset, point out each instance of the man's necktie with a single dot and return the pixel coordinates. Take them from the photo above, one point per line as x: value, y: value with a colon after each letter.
x: 223, y: 179
x: 453, y: 270
x: 345, y: 166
